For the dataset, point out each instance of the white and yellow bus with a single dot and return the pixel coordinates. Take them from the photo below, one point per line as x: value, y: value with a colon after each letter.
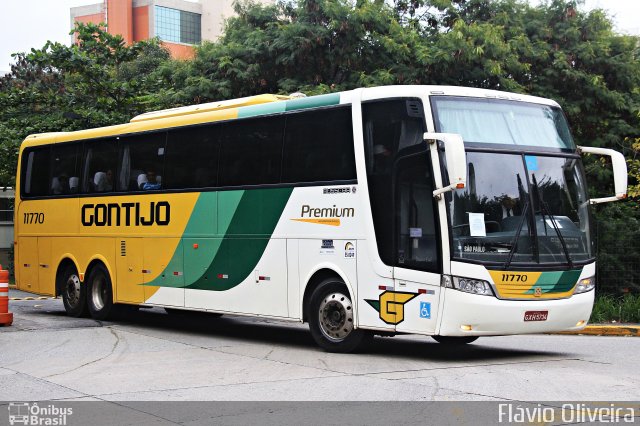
x: 443, y: 211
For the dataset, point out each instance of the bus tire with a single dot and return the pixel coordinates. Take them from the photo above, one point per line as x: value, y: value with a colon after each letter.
x: 331, y: 318
x: 455, y: 340
x: 74, y: 295
x: 99, y: 294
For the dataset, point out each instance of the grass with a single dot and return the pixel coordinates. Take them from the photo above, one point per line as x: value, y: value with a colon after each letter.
x: 619, y: 309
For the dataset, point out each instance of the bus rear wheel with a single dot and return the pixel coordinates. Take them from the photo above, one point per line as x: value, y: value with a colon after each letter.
x: 73, y: 292
x: 455, y: 340
x: 331, y: 319
x: 99, y: 294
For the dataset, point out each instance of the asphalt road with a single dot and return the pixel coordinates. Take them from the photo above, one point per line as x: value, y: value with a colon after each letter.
x: 151, y: 355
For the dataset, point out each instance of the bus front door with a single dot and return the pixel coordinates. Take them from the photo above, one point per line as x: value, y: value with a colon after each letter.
x: 417, y: 244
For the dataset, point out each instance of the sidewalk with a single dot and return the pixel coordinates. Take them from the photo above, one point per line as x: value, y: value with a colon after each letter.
x: 607, y: 330
x: 15, y: 295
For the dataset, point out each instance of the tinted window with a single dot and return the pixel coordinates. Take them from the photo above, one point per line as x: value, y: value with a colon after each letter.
x: 319, y: 146
x: 6, y: 209
x: 65, y: 177
x: 141, y: 162
x: 36, y: 166
x: 251, y: 151
x: 392, y: 130
x: 99, y: 166
x: 417, y: 235
x: 192, y: 157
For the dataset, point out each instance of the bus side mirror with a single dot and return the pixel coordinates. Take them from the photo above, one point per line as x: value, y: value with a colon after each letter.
x: 619, y: 172
x: 456, y: 160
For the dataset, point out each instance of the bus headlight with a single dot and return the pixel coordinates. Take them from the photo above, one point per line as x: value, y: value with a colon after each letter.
x: 472, y: 286
x: 584, y: 285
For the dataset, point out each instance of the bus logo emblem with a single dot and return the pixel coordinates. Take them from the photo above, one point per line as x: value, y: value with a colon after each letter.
x: 390, y: 305
x: 537, y: 292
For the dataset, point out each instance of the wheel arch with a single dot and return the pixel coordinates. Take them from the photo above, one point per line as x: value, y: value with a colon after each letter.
x: 101, y: 260
x: 65, y: 261
x: 317, y: 276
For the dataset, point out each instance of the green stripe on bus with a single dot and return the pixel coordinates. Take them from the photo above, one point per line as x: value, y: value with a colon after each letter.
x: 261, y: 109
x: 313, y: 102
x: 247, y: 237
x: 556, y: 282
x: 211, y: 216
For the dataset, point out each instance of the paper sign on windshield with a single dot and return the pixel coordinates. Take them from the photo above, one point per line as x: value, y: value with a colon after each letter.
x: 476, y: 225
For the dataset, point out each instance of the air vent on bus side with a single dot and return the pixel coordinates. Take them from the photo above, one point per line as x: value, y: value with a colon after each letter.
x: 414, y: 109
x: 123, y: 248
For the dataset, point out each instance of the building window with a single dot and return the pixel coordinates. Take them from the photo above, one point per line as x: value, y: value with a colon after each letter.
x: 6, y: 209
x: 175, y: 25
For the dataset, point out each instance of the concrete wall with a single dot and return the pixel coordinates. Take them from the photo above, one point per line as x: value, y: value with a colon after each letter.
x: 141, y: 23
x: 120, y: 18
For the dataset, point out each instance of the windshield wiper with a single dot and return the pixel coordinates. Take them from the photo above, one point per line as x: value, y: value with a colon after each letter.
x: 516, y: 237
x: 525, y: 210
x: 544, y: 210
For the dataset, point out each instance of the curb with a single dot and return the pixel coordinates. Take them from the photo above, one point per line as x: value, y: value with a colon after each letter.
x: 32, y: 298
x: 606, y: 330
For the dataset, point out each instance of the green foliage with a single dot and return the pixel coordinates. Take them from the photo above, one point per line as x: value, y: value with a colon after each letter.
x: 621, y: 309
x: 98, y: 81
x: 618, y: 232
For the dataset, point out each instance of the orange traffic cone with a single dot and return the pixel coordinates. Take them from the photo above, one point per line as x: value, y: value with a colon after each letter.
x: 6, y: 317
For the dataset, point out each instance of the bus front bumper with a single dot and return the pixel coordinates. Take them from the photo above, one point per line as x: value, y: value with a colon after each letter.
x: 467, y: 314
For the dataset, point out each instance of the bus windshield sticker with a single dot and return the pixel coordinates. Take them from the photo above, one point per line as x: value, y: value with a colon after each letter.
x: 415, y: 232
x: 476, y: 225
x: 532, y: 162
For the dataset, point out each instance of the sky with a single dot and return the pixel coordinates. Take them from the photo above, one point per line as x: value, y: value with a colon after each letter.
x: 30, y: 23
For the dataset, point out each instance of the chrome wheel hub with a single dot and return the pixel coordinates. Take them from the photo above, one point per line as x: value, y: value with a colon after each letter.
x: 72, y: 290
x: 336, y: 316
x: 98, y: 293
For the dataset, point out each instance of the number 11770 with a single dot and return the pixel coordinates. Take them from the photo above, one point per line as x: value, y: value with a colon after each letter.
x: 518, y: 278
x: 30, y: 218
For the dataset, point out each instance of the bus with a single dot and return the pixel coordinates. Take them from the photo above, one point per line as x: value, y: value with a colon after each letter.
x: 448, y: 212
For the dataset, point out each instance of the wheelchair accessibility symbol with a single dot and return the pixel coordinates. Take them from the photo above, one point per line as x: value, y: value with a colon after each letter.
x: 425, y: 310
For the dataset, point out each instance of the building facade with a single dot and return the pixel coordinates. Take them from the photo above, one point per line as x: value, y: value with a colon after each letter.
x: 7, y: 196
x: 179, y: 24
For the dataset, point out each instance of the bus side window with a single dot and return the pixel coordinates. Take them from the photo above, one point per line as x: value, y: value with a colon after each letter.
x: 251, y: 152
x: 64, y: 178
x: 141, y: 163
x: 315, y: 151
x: 391, y: 128
x: 36, y: 167
x: 192, y: 157
x: 99, y: 166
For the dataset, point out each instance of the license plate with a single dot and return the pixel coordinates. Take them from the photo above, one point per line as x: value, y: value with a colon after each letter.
x: 536, y: 315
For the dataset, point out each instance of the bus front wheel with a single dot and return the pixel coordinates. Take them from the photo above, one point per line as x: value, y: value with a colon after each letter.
x: 455, y: 340
x: 73, y: 292
x: 331, y: 319
x: 99, y: 293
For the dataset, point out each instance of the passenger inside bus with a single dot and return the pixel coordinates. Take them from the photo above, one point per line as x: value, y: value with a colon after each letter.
x: 149, y: 181
x: 103, y: 181
x: 60, y: 185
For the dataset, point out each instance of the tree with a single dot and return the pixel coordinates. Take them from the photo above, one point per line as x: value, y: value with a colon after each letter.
x: 97, y: 81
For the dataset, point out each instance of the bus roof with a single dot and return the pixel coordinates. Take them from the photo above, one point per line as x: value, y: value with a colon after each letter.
x: 210, y: 106
x: 261, y: 105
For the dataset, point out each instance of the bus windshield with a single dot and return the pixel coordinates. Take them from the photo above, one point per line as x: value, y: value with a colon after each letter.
x: 521, y: 209
x: 502, y: 122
